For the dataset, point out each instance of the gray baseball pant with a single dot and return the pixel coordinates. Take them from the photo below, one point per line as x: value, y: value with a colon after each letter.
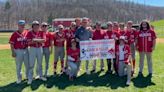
x: 22, y: 56
x: 35, y: 53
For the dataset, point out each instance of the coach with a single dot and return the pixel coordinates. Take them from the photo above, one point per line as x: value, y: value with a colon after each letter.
x: 82, y: 34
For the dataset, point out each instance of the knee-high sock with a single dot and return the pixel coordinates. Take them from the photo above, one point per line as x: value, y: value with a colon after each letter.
x: 62, y: 64
x: 134, y: 63
x: 55, y: 66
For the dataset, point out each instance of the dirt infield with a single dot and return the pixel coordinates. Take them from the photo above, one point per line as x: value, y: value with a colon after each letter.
x: 4, y: 46
x: 7, y: 46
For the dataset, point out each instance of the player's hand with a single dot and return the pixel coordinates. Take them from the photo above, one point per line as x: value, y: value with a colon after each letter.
x: 13, y: 54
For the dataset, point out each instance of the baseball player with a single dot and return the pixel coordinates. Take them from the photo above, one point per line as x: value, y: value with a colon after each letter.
x: 59, y: 52
x: 111, y: 34
x: 146, y: 41
x: 47, y: 46
x: 125, y: 33
x: 98, y: 34
x: 73, y: 57
x: 35, y: 41
x: 18, y: 44
x: 123, y: 56
x: 133, y: 34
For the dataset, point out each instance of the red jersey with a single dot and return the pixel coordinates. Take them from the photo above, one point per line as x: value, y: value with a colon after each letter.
x: 48, y: 39
x: 133, y: 35
x: 59, y: 39
x: 19, y: 40
x: 126, y: 34
x: 127, y: 53
x: 98, y: 34
x: 35, y: 35
x: 74, y: 53
x: 111, y: 35
x: 69, y: 35
x: 145, y: 40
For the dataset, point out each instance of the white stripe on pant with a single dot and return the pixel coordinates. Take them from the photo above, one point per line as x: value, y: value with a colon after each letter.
x: 33, y: 54
x: 124, y: 69
x: 21, y: 56
x: 149, y: 61
x: 46, y: 53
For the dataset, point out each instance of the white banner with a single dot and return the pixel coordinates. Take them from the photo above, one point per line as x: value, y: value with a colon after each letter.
x: 97, y: 49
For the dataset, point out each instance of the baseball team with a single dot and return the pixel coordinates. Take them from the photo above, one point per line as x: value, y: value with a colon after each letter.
x: 30, y: 46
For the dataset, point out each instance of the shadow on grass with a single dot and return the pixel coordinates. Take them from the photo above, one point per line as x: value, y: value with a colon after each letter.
x: 93, y: 80
x: 141, y: 81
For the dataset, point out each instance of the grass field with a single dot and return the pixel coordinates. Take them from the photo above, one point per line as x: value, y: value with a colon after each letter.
x: 159, y: 27
x: 96, y: 82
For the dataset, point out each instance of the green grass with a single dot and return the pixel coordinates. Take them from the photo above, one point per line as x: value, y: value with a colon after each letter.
x: 4, y: 40
x: 96, y: 82
x: 159, y: 27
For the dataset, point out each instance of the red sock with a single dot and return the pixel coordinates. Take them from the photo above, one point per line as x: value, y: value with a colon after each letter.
x: 62, y: 64
x: 55, y: 66
x: 134, y: 63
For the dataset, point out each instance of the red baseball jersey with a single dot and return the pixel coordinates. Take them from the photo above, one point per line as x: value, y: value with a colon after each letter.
x: 111, y: 35
x: 35, y: 35
x: 69, y: 35
x: 19, y: 40
x: 126, y: 34
x: 48, y: 39
x: 145, y: 40
x: 133, y: 36
x: 126, y: 51
x: 59, y: 39
x: 98, y: 34
x: 74, y: 53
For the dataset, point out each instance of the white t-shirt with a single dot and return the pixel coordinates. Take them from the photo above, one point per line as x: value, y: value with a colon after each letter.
x: 121, y: 52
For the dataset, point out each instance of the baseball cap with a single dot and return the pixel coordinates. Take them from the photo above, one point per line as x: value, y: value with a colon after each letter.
x: 98, y: 23
x: 122, y: 38
x: 44, y: 24
x: 109, y: 23
x: 35, y: 23
x: 73, y: 40
x: 21, y: 22
x: 60, y: 26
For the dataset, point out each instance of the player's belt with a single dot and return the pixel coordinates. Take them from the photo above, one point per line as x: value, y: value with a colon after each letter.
x: 121, y: 60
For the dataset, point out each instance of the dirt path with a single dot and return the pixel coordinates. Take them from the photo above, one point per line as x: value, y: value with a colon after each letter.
x: 7, y: 46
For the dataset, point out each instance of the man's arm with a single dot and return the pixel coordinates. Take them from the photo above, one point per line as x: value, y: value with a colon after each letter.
x: 12, y: 50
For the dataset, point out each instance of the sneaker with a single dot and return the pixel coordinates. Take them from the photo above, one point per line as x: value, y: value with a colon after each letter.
x: 93, y: 71
x: 140, y: 74
x: 128, y: 82
x: 109, y: 72
x: 102, y: 69
x: 55, y: 73
x: 70, y: 78
x: 43, y: 79
x: 150, y: 75
x: 29, y: 82
x: 18, y: 81
x: 132, y: 73
x: 87, y: 72
x: 37, y: 77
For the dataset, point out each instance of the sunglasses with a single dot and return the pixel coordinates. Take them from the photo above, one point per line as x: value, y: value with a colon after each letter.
x: 44, y: 26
